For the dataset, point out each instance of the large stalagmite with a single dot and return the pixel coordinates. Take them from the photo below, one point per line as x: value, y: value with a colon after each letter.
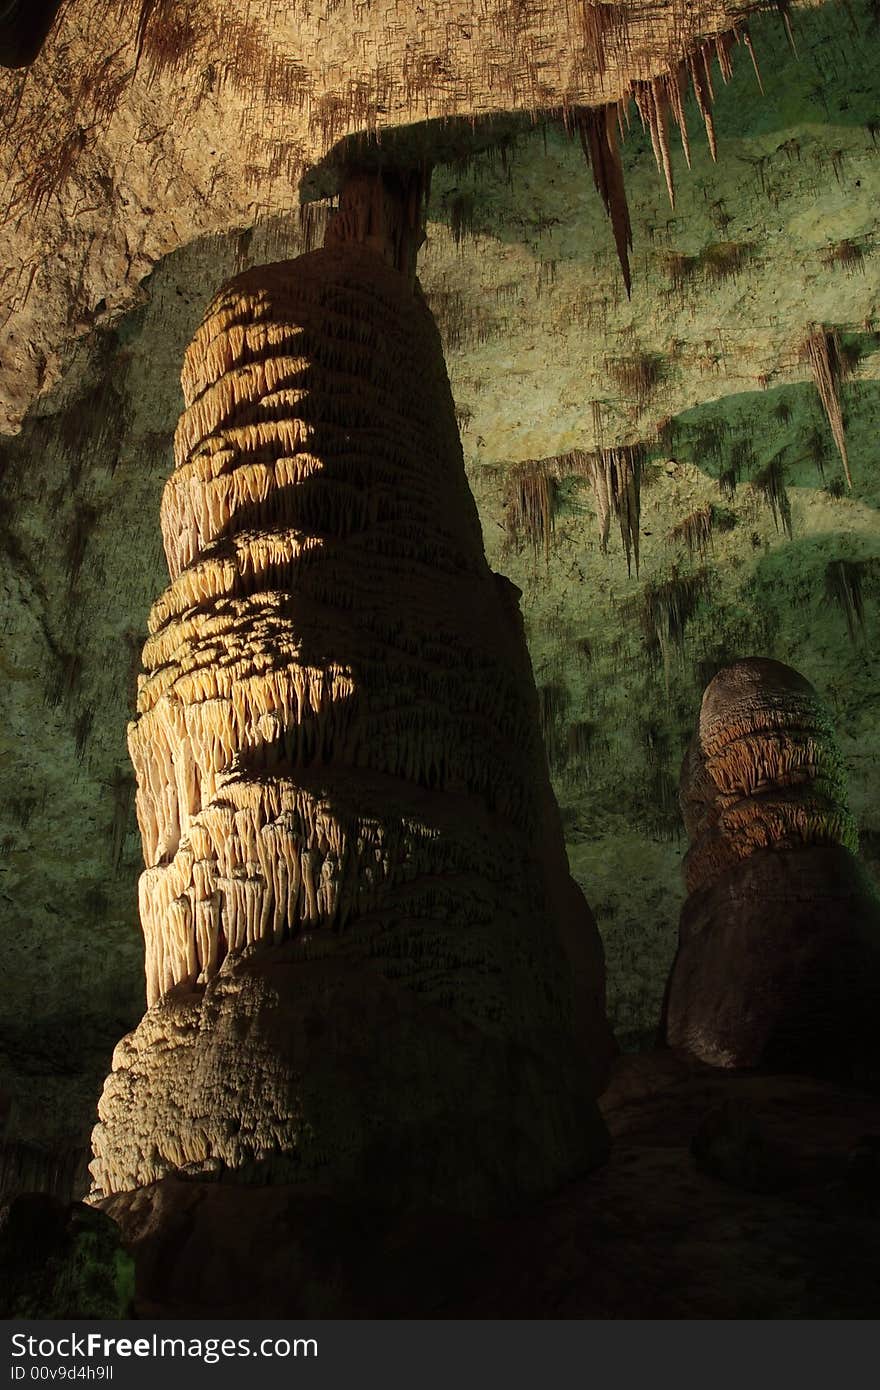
x: 778, y: 960
x: 366, y: 962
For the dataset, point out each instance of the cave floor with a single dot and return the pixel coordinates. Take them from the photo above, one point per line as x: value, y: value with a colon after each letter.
x: 725, y: 1196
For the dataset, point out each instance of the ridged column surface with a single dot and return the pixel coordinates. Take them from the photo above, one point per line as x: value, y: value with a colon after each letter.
x: 342, y: 792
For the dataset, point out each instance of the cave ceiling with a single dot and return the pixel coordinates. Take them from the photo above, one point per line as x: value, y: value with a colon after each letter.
x: 142, y: 125
x: 151, y: 150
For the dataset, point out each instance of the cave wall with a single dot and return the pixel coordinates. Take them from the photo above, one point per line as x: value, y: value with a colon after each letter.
x: 521, y: 273
x: 781, y: 232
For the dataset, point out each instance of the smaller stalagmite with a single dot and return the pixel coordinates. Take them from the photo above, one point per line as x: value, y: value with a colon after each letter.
x: 778, y: 962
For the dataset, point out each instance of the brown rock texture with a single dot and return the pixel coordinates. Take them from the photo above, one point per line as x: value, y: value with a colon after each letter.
x: 778, y: 962
x: 366, y: 961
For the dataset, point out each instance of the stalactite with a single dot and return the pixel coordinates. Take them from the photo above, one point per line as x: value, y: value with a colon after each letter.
x: 723, y: 260
x: 675, y: 86
x: 718, y: 261
x: 598, y: 135
x: 695, y: 530
x: 784, y: 8
x: 822, y: 350
x: 710, y: 440
x: 598, y: 21
x: 667, y: 607
x: 652, y: 101
x: 740, y: 460
x: 312, y: 224
x: 167, y: 33
x: 614, y: 475
x: 701, y: 83
x: 848, y: 254
x: 598, y: 422
x: 636, y: 376
x: 531, y: 500
x: 680, y: 268
x: 750, y: 48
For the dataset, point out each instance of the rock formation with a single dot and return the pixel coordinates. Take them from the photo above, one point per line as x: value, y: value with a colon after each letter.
x: 778, y: 961
x: 266, y: 95
x: 822, y: 349
x: 366, y: 962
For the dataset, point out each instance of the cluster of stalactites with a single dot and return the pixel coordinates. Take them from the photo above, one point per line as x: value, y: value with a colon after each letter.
x: 762, y: 772
x: 615, y: 477
x: 614, y: 473
x: 658, y: 99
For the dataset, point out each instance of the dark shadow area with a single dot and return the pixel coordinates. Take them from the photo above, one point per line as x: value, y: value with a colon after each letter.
x: 24, y: 27
x: 453, y: 140
x: 725, y: 1197
x: 59, y: 1169
x: 738, y: 438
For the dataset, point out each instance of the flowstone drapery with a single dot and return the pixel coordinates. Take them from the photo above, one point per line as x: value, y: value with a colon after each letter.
x: 366, y: 961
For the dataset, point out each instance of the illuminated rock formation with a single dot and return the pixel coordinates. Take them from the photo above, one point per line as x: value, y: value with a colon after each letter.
x: 778, y: 960
x: 366, y: 962
x: 268, y: 93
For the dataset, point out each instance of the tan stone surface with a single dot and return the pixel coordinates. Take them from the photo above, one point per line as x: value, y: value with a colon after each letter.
x: 127, y: 139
